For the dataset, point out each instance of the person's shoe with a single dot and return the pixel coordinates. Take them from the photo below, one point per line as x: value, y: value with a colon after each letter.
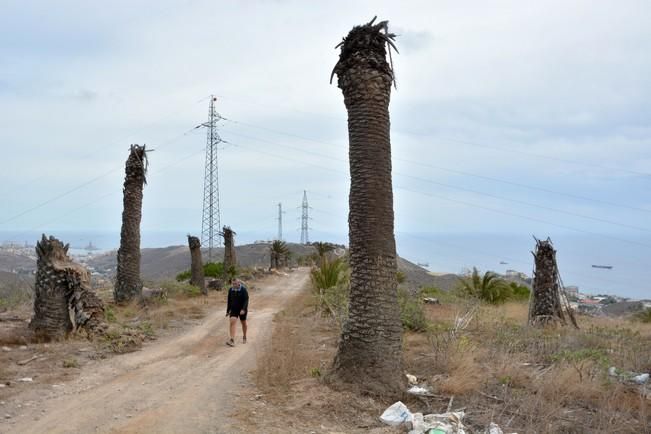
x: 230, y: 343
x: 243, y: 340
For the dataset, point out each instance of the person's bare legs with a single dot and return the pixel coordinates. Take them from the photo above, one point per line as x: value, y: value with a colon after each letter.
x: 244, y: 327
x: 233, y: 327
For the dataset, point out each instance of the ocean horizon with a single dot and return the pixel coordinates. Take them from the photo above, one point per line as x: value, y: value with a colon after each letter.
x: 445, y: 253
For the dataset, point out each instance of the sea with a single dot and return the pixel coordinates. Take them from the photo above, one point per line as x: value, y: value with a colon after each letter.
x: 577, y: 255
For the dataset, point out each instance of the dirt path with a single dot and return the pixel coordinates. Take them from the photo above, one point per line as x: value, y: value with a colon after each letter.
x: 183, y: 384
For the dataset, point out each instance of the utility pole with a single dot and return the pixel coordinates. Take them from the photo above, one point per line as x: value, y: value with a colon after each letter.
x: 280, y: 221
x: 211, y: 216
x: 305, y: 237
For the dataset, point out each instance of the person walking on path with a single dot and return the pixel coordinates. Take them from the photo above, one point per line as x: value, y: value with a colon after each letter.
x: 237, y: 306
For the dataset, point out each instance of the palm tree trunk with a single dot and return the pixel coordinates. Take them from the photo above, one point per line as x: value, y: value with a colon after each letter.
x: 229, y: 248
x: 128, y: 284
x: 546, y: 304
x: 63, y: 286
x: 196, y: 267
x: 369, y: 353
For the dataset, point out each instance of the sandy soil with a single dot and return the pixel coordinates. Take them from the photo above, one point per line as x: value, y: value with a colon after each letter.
x: 183, y: 384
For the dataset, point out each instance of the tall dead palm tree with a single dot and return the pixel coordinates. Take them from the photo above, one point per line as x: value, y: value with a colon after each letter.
x: 196, y: 264
x: 369, y: 353
x: 230, y: 260
x: 128, y: 284
x: 548, y: 304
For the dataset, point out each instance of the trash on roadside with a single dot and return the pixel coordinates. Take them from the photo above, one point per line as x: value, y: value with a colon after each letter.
x: 494, y: 428
x: 396, y: 414
x: 419, y: 391
x: 635, y: 377
x: 411, y: 379
x: 431, y: 300
x: 641, y: 379
x: 444, y: 423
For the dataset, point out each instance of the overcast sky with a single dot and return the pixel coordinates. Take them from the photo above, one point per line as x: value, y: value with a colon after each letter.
x: 510, y: 117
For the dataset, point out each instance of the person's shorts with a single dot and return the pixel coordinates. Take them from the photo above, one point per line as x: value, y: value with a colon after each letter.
x: 237, y: 314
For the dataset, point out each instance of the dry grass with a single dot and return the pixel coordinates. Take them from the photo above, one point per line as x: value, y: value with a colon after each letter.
x: 531, y: 380
x: 290, y: 396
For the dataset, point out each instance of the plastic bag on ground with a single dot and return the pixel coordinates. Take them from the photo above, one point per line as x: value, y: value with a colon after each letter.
x: 396, y: 414
x: 419, y: 390
x: 494, y: 428
x: 445, y: 423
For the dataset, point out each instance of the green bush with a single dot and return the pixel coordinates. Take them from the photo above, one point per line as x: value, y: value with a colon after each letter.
x: 184, y: 275
x: 644, y: 316
x: 175, y: 289
x: 519, y: 292
x: 211, y: 269
x: 412, y: 313
x: 214, y: 269
x: 489, y: 287
x: 328, y: 274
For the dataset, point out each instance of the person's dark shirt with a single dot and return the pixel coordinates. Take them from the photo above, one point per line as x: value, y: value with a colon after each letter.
x: 238, y: 300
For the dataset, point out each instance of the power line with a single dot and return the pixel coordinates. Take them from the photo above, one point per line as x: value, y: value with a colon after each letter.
x: 80, y: 186
x: 472, y: 143
x: 451, y: 186
x: 101, y: 198
x: 470, y: 204
x: 546, y: 190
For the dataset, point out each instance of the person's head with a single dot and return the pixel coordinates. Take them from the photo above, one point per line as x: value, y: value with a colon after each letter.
x: 235, y: 282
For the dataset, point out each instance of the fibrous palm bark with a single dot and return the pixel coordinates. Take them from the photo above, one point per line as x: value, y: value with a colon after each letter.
x: 547, y: 298
x: 128, y: 284
x: 229, y: 248
x: 369, y: 353
x: 61, y: 287
x: 196, y: 266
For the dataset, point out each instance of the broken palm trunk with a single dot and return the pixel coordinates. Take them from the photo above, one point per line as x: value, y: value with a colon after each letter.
x: 128, y: 284
x: 548, y: 304
x: 229, y: 248
x: 63, y: 287
x: 196, y: 267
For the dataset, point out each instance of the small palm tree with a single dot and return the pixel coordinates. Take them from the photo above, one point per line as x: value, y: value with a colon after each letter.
x: 279, y: 253
x: 322, y: 250
x: 489, y: 287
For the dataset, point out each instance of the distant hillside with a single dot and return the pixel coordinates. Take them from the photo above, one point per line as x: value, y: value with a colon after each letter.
x: 166, y: 262
x: 11, y: 261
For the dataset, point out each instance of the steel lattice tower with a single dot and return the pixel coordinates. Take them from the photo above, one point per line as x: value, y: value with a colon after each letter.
x: 280, y: 221
x: 211, y: 218
x: 305, y: 207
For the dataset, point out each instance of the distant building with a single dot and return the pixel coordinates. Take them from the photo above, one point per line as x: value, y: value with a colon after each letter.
x: 516, y: 274
x: 572, y: 291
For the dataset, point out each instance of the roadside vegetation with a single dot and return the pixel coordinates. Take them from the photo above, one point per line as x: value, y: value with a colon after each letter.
x: 474, y: 349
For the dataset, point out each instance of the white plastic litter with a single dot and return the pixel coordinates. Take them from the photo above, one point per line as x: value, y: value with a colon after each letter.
x: 411, y: 379
x: 494, y: 428
x: 641, y: 379
x: 396, y: 414
x: 635, y: 377
x: 445, y: 423
x: 419, y: 390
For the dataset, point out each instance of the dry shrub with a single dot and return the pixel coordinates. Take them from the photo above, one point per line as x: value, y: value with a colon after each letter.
x: 465, y: 372
x: 286, y: 360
